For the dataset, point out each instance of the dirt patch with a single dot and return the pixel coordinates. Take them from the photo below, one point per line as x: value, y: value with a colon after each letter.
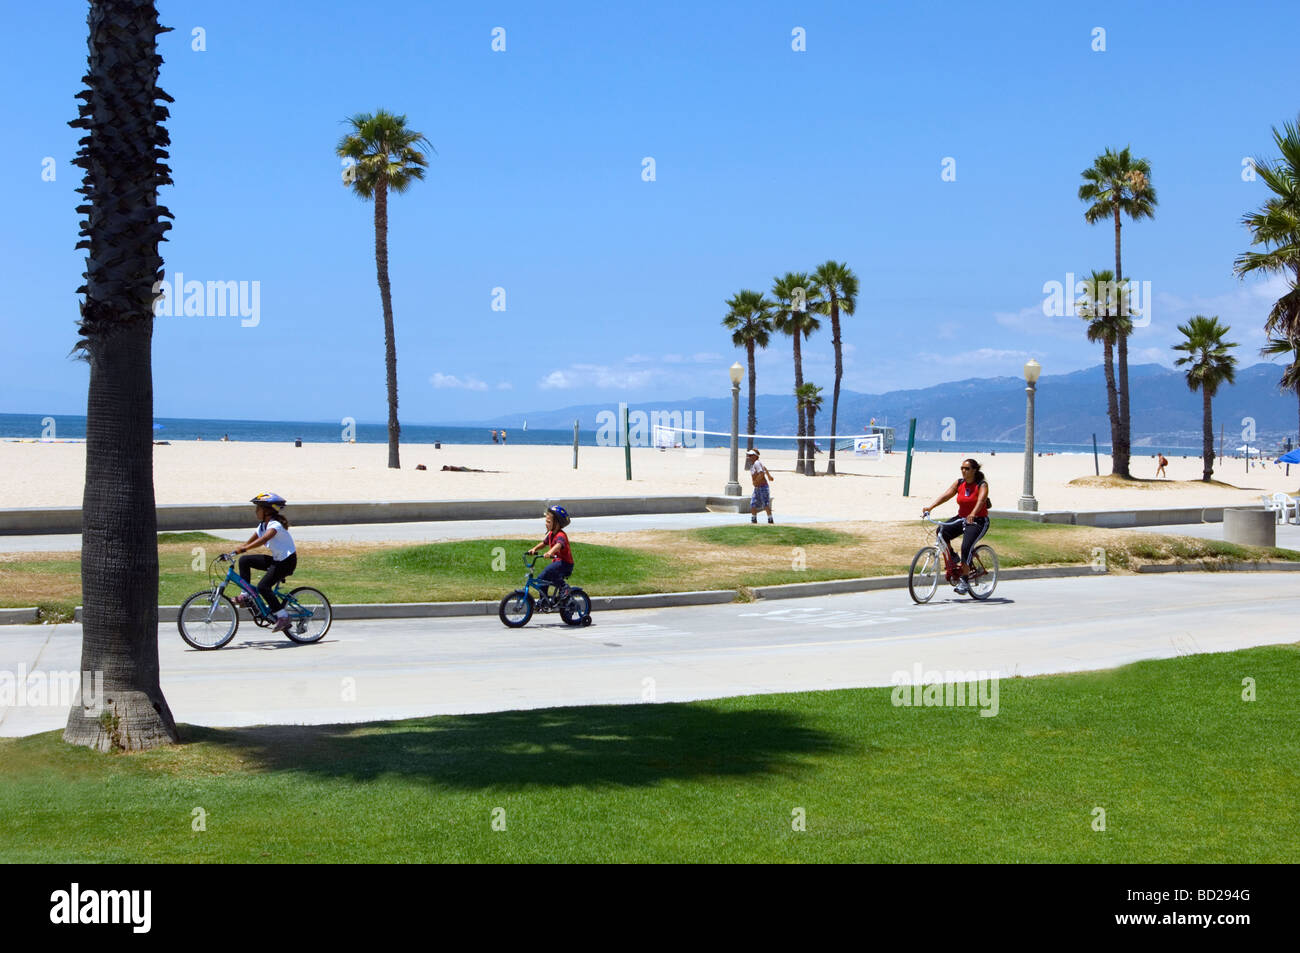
x: 1111, y: 481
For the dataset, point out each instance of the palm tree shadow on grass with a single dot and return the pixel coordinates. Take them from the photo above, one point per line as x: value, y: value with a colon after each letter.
x: 610, y: 745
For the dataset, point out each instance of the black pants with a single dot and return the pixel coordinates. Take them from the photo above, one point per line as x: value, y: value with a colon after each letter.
x: 970, y: 533
x: 275, y: 572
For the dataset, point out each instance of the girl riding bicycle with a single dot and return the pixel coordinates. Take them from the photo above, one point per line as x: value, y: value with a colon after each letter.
x: 972, y: 519
x: 273, y: 533
x: 561, y: 567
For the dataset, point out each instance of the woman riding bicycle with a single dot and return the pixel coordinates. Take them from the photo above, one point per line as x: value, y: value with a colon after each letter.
x: 972, y: 519
x: 273, y: 533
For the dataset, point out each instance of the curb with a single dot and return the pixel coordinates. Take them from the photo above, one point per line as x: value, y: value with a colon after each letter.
x: 659, y: 600
x: 1225, y: 567
x: 799, y: 590
x: 438, y: 610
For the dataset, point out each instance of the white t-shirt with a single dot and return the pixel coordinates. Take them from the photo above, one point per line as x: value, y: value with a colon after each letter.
x: 757, y: 467
x: 281, y: 544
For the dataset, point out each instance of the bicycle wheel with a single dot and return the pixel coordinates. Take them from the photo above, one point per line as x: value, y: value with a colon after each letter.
x: 516, y: 609
x: 923, y: 577
x: 310, y: 615
x: 205, y: 625
x: 576, y: 607
x: 983, y: 578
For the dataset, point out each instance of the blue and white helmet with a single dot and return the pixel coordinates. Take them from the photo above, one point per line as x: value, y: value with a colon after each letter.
x: 561, y: 515
x: 272, y: 501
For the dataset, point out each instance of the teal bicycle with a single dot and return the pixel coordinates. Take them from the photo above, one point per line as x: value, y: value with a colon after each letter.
x: 516, y: 609
x: 209, y: 619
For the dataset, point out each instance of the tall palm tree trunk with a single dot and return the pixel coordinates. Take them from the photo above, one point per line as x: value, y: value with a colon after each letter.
x: 1112, y: 401
x: 812, y: 438
x: 390, y: 342
x: 798, y: 404
x: 835, y: 394
x: 121, y: 155
x: 1120, y: 463
x: 753, y: 417
x: 1207, y: 437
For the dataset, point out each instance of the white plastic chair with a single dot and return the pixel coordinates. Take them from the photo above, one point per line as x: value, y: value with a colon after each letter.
x: 1286, y: 507
x: 1271, y: 505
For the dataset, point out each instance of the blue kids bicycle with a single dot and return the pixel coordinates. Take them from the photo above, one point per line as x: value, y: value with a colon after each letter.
x: 516, y: 609
x: 208, y: 619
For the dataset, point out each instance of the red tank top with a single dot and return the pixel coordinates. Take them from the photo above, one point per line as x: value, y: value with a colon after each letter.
x: 967, y: 494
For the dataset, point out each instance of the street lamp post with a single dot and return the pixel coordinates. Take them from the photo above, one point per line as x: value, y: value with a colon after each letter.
x: 733, y: 488
x: 1032, y: 370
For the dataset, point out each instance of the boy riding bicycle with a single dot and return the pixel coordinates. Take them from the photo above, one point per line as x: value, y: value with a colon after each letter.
x: 561, y: 567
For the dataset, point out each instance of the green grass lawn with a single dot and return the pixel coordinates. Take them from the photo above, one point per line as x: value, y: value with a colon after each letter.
x: 1185, y: 770
x: 743, y: 556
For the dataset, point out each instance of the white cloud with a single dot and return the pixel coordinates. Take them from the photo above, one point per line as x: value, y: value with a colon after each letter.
x: 440, y: 381
x: 1031, y: 320
x: 977, y: 356
x: 505, y: 385
x: 705, y: 357
x: 556, y: 380
x: 598, y: 375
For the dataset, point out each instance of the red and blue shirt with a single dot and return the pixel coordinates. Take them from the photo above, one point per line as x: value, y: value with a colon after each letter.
x: 565, y: 555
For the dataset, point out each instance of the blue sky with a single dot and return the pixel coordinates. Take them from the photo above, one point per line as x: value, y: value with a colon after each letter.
x: 766, y: 159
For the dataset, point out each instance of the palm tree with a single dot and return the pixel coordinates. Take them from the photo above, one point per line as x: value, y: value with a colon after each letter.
x: 1117, y: 183
x: 749, y: 318
x: 1210, y: 365
x: 1291, y: 373
x: 798, y: 302
x: 810, y: 399
x: 839, y: 286
x: 122, y: 155
x: 1276, y: 226
x: 386, y: 158
x: 1103, y: 307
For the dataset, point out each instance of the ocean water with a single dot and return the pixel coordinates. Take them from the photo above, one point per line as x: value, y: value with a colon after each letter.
x: 68, y: 427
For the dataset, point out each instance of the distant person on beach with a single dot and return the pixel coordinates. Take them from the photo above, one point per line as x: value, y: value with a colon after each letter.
x: 1160, y: 467
x: 762, y: 478
x: 503, y: 436
x: 972, y: 519
x: 494, y: 436
x: 273, y: 533
x: 557, y: 543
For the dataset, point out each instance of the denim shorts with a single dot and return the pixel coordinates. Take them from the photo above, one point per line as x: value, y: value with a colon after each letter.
x: 762, y: 498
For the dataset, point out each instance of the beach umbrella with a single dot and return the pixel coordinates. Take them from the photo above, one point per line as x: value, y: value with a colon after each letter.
x: 1292, y: 457
x: 1247, y: 448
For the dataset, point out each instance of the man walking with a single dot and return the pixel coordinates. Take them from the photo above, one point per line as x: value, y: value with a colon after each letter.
x: 762, y: 495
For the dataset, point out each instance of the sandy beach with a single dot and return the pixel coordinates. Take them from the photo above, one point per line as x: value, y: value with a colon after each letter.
x: 51, y: 474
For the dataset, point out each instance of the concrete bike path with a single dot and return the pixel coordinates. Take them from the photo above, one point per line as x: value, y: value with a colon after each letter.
x: 382, y: 669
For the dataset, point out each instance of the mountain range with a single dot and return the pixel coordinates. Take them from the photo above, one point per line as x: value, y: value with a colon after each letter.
x: 1069, y: 408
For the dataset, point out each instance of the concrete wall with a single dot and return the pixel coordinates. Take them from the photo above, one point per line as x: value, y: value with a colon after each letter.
x: 185, y: 517
x: 1117, y: 519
